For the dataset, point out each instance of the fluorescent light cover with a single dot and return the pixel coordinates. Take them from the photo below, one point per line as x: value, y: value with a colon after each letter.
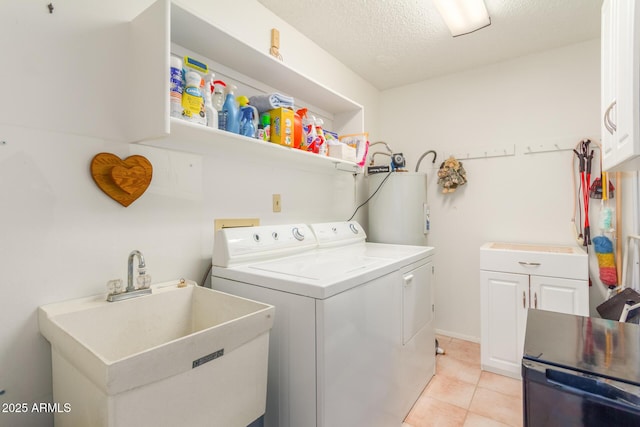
x: 463, y: 16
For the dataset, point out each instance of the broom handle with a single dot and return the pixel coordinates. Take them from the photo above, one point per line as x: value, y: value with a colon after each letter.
x: 619, y: 227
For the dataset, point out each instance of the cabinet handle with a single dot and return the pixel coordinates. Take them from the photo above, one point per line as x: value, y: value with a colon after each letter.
x: 535, y: 300
x: 524, y: 300
x: 529, y: 264
x: 606, y: 122
x: 611, y: 127
x: 408, y: 279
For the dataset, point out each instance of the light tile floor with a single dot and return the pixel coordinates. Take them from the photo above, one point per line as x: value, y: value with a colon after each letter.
x: 462, y: 395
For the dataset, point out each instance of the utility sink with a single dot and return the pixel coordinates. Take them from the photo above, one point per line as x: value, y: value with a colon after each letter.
x: 179, y: 356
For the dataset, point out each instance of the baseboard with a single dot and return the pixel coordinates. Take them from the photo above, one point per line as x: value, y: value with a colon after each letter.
x: 458, y: 336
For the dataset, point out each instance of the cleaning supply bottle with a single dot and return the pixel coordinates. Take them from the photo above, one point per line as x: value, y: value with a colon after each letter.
x: 265, y: 120
x: 192, y: 96
x: 210, y: 111
x: 248, y: 121
x: 176, y: 87
x: 192, y: 100
x: 309, y: 142
x: 297, y: 130
x: 321, y: 140
x: 217, y: 100
x: 248, y: 117
x: 230, y: 111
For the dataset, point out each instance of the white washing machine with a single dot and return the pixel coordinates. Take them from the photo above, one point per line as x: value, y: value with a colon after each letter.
x: 353, y: 338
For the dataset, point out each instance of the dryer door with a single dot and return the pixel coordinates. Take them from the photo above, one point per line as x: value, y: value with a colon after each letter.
x: 417, y: 300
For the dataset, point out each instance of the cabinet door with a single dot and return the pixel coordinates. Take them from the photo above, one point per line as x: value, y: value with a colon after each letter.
x: 609, y: 58
x: 504, y: 303
x: 627, y: 78
x: 560, y: 295
x: 620, y: 74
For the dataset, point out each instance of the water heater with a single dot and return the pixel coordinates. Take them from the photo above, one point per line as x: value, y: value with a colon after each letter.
x: 398, y: 212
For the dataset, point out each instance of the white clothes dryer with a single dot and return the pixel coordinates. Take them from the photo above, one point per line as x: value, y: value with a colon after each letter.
x: 353, y: 337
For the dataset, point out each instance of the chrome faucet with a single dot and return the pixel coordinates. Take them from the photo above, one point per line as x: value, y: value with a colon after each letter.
x: 143, y: 280
x: 141, y: 268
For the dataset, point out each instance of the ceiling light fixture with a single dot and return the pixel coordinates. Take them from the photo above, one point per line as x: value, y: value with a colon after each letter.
x: 463, y: 16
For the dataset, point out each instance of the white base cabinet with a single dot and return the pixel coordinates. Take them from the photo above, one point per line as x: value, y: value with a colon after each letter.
x: 515, y: 278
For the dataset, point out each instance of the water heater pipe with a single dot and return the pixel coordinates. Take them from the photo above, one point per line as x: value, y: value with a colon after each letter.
x: 435, y: 155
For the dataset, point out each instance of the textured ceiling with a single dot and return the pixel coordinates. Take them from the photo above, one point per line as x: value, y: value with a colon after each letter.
x: 397, y: 42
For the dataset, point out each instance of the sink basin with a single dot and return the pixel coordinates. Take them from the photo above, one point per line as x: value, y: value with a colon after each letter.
x: 180, y: 356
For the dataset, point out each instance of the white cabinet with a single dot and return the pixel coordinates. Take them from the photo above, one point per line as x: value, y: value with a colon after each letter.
x: 167, y: 28
x: 620, y: 87
x: 515, y: 278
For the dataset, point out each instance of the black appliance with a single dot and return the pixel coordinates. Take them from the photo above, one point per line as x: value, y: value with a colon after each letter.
x: 580, y: 371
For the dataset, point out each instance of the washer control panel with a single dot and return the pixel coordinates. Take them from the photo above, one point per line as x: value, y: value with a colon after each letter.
x: 243, y: 244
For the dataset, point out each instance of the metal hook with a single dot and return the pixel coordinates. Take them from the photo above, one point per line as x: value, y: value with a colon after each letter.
x: 50, y: 7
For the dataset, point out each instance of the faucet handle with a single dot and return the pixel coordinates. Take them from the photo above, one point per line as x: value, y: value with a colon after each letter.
x: 143, y: 281
x: 115, y: 286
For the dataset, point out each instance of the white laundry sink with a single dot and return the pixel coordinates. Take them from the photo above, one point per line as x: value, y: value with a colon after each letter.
x: 180, y: 356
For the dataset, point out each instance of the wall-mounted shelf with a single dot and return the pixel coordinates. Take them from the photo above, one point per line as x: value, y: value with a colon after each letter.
x: 198, y: 139
x: 167, y: 25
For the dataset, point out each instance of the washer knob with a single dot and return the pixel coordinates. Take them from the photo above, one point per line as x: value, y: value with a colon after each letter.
x: 354, y: 228
x: 297, y: 234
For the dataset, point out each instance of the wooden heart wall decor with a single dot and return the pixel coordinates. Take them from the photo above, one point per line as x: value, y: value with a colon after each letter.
x: 122, y: 180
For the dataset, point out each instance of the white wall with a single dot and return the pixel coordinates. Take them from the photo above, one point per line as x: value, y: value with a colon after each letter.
x: 62, y: 238
x: 543, y: 98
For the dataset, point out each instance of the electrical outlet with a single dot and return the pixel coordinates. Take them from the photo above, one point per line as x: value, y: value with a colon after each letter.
x: 277, y: 203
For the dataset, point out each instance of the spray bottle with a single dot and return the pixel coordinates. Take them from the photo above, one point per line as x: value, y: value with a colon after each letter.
x: 210, y: 111
x: 248, y: 117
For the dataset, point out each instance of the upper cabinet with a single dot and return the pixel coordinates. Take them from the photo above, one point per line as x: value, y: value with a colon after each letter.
x: 620, y: 85
x: 167, y: 28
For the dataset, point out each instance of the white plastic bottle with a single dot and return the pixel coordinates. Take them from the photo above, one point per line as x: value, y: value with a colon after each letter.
x: 176, y: 86
x: 321, y: 140
x: 217, y: 100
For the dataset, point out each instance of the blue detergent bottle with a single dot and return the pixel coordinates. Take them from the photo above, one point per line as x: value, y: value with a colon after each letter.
x: 230, y: 111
